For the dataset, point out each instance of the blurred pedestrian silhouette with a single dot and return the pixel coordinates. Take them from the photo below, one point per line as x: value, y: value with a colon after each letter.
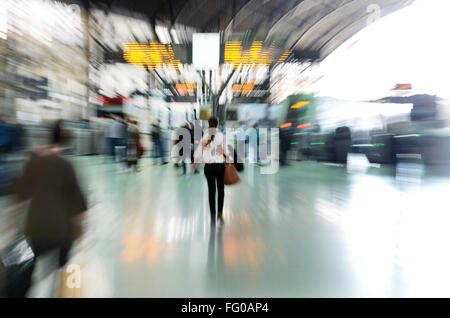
x: 285, y: 144
x: 133, y: 146
x: 114, y: 135
x: 57, y: 204
x: 158, y: 144
x: 211, y: 150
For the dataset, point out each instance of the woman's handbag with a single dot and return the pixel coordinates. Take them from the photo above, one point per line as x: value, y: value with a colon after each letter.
x: 231, y: 175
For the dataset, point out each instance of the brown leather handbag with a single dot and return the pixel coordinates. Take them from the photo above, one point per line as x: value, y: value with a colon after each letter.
x: 231, y: 175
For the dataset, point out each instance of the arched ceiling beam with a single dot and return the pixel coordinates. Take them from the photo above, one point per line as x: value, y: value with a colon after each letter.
x: 324, y: 17
x: 353, y: 22
x: 235, y: 14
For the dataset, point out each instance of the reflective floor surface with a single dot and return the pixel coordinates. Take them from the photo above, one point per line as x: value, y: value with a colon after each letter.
x: 310, y: 230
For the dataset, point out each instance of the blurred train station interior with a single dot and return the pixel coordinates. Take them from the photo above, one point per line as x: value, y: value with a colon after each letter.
x: 342, y: 109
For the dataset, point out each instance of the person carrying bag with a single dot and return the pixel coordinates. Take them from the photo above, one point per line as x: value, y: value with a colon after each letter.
x: 56, y: 205
x: 231, y: 175
x: 211, y: 151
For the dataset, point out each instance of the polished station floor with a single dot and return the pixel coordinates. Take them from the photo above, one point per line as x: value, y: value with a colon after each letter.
x: 310, y: 230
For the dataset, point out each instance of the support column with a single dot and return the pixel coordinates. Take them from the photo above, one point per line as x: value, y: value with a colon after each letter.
x: 87, y: 110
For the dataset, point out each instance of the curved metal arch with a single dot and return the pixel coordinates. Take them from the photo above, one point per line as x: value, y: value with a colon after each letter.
x: 213, y: 18
x: 319, y: 21
x: 188, y: 7
x: 348, y: 25
x: 155, y: 13
x: 233, y: 17
x: 289, y: 12
x: 353, y: 22
x: 186, y: 2
x: 271, y: 17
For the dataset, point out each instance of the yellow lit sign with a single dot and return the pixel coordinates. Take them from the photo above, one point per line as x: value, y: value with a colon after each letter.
x: 150, y: 55
x: 183, y: 89
x: 255, y: 56
x: 284, y: 56
x: 299, y: 104
x: 401, y: 87
x: 244, y: 88
x: 304, y: 125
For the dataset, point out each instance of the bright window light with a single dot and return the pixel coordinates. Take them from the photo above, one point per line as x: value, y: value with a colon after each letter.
x: 405, y: 47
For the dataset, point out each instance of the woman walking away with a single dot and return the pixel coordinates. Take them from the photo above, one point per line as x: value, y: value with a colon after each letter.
x: 57, y: 204
x: 211, y: 150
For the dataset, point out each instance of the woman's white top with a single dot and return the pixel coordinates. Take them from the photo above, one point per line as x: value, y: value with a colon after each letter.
x: 212, y: 152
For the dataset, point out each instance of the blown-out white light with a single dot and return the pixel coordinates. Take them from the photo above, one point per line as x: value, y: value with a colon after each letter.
x: 408, y: 46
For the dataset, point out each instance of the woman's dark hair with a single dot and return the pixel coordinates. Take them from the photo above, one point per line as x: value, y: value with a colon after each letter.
x: 59, y: 135
x: 213, y: 122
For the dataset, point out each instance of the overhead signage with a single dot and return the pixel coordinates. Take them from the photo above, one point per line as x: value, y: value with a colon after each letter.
x: 150, y: 55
